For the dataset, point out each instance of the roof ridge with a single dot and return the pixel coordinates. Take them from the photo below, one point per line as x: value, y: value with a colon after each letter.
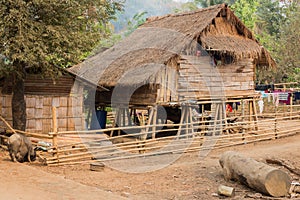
x: 156, y: 18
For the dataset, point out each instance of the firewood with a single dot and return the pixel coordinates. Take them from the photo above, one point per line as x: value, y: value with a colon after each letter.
x: 226, y: 191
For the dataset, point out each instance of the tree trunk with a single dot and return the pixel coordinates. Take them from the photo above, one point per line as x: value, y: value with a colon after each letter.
x: 257, y: 175
x: 18, y: 99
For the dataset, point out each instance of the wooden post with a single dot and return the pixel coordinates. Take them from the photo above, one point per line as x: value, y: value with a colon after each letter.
x: 149, y: 121
x: 154, y: 122
x: 243, y: 118
x: 223, y: 110
x: 54, y: 139
x: 255, y: 115
x: 291, y: 105
x: 250, y: 111
x: 275, y: 125
x: 181, y: 120
x: 202, y: 118
x: 243, y: 110
x: 191, y: 121
x: 115, y: 122
x: 216, y: 118
x: 187, y: 117
x: 123, y: 117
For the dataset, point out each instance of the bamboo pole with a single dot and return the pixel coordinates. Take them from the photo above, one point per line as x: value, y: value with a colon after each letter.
x: 54, y: 139
x: 255, y: 115
x: 7, y: 124
x: 181, y: 121
x: 182, y: 150
x: 224, y: 139
x: 275, y: 123
x: 218, y: 146
x: 291, y: 105
x: 154, y: 121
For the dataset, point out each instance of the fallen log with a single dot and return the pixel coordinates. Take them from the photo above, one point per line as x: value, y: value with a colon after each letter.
x: 256, y: 175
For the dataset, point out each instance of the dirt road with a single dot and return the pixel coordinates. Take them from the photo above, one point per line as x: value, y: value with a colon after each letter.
x: 20, y: 181
x: 190, y: 177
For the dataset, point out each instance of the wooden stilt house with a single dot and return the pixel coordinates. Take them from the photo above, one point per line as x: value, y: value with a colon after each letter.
x: 178, y: 60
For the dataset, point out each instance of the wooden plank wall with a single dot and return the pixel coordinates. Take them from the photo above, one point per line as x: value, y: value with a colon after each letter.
x: 167, y: 91
x: 144, y: 95
x: 37, y: 85
x: 39, y: 111
x: 197, y: 77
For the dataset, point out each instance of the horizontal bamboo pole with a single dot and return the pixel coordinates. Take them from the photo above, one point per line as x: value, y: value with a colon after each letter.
x: 7, y: 124
x: 72, y: 159
x: 169, y: 137
x: 179, y: 150
x: 244, y: 138
x: 136, y: 147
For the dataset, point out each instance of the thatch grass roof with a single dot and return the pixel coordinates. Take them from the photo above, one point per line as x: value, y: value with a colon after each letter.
x: 162, y: 39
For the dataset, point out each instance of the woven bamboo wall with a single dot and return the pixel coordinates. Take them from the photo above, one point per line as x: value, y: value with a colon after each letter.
x: 39, y: 110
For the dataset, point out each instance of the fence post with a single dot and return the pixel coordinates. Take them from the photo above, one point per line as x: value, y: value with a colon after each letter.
x: 275, y: 125
x: 291, y: 105
x: 54, y: 136
x: 243, y: 119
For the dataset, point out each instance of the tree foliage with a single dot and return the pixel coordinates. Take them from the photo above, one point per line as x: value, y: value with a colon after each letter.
x: 278, y: 29
x: 41, y: 35
x: 245, y: 10
x: 207, y: 3
x: 276, y: 26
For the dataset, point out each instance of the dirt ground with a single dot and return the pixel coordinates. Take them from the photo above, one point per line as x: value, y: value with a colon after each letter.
x: 190, y: 177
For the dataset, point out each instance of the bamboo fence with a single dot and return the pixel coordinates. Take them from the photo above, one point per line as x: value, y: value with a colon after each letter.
x: 88, y: 146
x: 95, y: 146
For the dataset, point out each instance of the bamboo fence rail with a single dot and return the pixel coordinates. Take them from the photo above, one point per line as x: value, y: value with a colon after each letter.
x: 87, y: 146
x: 269, y: 128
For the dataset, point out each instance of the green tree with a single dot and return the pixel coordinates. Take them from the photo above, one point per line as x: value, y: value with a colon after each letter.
x: 288, y: 52
x: 42, y: 35
x: 277, y: 28
x: 207, y: 3
x: 137, y: 20
x: 245, y: 10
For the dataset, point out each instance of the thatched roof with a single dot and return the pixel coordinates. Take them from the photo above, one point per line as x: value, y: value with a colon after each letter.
x: 161, y: 39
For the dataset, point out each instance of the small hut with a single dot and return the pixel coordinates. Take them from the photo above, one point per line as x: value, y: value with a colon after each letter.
x: 177, y: 62
x: 41, y: 94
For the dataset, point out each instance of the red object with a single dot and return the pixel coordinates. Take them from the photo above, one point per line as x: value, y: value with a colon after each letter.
x: 228, y: 107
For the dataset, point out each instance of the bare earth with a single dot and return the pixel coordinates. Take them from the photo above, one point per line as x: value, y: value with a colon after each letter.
x: 190, y: 177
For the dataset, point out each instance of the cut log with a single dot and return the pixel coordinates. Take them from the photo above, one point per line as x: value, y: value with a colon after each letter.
x: 256, y: 175
x: 226, y: 191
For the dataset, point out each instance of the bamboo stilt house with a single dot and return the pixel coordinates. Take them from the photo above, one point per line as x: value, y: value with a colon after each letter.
x: 178, y: 58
